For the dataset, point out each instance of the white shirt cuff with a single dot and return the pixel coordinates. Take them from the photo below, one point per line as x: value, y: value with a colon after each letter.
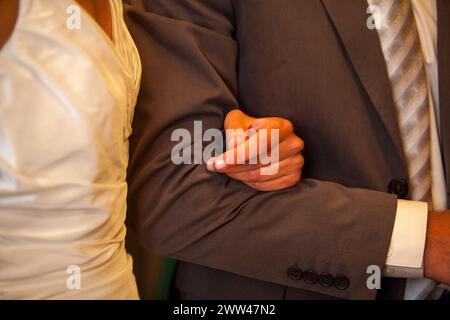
x: 405, y: 256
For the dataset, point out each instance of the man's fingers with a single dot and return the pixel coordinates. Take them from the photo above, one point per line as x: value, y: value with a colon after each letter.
x: 237, y: 159
x: 249, y: 142
x: 235, y: 137
x: 263, y: 153
x: 236, y: 125
x: 290, y: 146
x: 277, y: 184
x: 285, y: 167
x: 242, y: 168
x: 241, y: 154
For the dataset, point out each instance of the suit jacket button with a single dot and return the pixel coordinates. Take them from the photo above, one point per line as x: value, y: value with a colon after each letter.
x: 295, y: 273
x: 341, y: 282
x: 326, y: 279
x: 310, y: 276
x: 399, y: 187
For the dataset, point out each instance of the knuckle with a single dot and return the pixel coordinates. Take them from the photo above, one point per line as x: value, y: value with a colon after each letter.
x: 288, y: 125
x: 235, y: 112
x: 294, y: 179
x: 231, y: 117
x: 297, y: 144
x: 299, y: 161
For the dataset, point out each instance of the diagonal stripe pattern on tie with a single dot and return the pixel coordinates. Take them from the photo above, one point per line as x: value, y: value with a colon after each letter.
x: 405, y: 65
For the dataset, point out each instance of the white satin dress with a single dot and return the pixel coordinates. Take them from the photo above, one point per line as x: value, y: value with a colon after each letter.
x: 66, y: 105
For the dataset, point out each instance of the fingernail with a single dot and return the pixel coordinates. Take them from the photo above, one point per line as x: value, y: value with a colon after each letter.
x: 220, y: 164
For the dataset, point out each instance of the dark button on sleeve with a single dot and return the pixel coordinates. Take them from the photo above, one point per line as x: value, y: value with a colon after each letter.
x: 295, y: 273
x: 326, y: 279
x: 399, y: 187
x: 310, y: 276
x: 341, y: 282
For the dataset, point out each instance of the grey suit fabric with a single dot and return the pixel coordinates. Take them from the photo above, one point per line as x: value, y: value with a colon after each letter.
x: 311, y: 61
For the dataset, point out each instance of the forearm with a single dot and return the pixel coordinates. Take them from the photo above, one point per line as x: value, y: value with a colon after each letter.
x: 216, y: 222
x: 189, y: 74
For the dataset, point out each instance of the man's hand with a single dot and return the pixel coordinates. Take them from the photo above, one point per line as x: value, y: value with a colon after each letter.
x: 437, y: 248
x: 290, y: 160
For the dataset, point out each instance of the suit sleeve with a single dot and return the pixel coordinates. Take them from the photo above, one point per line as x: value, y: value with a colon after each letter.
x: 189, y: 58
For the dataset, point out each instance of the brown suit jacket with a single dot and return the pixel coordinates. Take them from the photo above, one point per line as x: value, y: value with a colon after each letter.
x: 311, y: 61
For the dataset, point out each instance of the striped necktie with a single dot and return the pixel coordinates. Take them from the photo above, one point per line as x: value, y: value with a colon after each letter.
x: 405, y: 65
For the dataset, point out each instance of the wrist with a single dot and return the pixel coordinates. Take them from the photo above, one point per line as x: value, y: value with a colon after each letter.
x: 429, y: 253
x: 437, y: 247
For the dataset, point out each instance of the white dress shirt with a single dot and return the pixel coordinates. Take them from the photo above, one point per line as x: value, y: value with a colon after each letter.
x: 405, y: 256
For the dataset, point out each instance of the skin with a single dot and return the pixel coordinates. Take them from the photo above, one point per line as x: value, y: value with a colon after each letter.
x: 437, y: 247
x: 99, y: 9
x: 437, y: 250
x: 290, y: 162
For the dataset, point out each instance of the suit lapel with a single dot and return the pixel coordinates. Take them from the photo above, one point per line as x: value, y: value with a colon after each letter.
x: 443, y: 10
x: 364, y: 50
